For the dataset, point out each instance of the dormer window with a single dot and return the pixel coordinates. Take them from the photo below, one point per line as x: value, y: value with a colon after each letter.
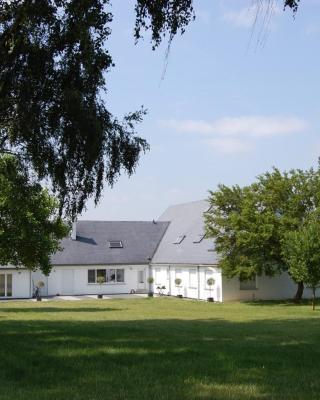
x: 179, y: 239
x: 198, y: 238
x: 115, y: 244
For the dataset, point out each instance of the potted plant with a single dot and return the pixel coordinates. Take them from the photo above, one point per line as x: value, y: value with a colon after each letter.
x: 178, y: 282
x: 150, y: 280
x: 161, y: 290
x: 37, y: 293
x: 210, y: 283
x: 101, y: 280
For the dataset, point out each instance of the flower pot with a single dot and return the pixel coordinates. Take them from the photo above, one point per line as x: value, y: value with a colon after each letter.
x: 179, y: 296
x: 210, y: 299
x: 39, y: 298
x: 100, y: 296
x: 150, y: 294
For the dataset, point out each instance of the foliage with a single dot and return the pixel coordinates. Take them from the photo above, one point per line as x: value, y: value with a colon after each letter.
x: 40, y: 284
x: 178, y: 281
x: 210, y: 282
x: 53, y: 66
x: 53, y: 62
x: 301, y: 250
x: 101, y: 280
x: 30, y: 227
x: 150, y: 280
x: 249, y: 224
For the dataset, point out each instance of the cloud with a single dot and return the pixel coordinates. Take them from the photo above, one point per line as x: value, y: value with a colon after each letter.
x: 260, y: 12
x: 230, y: 145
x: 243, y: 18
x: 232, y: 135
x: 254, y: 126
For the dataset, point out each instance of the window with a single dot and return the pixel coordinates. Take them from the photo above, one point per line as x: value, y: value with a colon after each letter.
x: 250, y: 284
x: 198, y: 238
x: 141, y: 276
x: 5, y: 285
x: 91, y: 276
x: 101, y: 273
x: 109, y: 275
x: 179, y: 239
x: 193, y: 282
x: 120, y: 275
x: 115, y: 244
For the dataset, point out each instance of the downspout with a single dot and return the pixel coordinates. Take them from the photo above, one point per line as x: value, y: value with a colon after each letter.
x: 169, y: 268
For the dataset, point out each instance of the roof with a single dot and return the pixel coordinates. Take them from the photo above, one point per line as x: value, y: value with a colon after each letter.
x: 140, y: 240
x: 185, y: 219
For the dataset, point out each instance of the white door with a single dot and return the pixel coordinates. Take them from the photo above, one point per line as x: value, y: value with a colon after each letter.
x: 141, y: 279
x: 67, y: 282
x: 5, y: 285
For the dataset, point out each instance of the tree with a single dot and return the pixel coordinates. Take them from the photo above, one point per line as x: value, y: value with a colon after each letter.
x: 30, y: 227
x: 249, y: 224
x: 53, y: 66
x: 301, y: 250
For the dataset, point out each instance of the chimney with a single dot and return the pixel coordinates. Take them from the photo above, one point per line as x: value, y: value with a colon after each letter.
x: 74, y: 230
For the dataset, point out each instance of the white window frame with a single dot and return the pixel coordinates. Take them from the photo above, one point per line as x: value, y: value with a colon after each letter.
x: 106, y: 269
x: 6, y: 284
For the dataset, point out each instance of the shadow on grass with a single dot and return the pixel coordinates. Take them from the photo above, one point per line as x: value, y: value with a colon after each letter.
x: 58, y: 309
x: 160, y: 359
x: 288, y: 302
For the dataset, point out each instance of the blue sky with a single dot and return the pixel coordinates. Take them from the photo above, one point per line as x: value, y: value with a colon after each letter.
x: 234, y: 102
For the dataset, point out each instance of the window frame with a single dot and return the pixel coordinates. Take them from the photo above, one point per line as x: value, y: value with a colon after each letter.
x: 115, y: 282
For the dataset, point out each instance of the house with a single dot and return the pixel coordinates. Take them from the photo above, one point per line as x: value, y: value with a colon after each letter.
x: 126, y: 253
x: 120, y: 251
x: 186, y: 254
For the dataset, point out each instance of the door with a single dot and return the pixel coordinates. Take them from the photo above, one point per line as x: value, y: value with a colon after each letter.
x: 141, y: 279
x: 5, y: 285
x: 67, y: 281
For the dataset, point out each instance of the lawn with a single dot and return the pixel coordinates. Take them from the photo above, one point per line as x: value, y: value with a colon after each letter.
x: 159, y: 348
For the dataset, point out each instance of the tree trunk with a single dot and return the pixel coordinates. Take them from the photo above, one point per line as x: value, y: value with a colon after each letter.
x: 298, y: 295
x: 313, y: 298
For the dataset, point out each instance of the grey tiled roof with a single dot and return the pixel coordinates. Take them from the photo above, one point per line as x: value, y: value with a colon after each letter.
x: 140, y: 240
x: 185, y: 219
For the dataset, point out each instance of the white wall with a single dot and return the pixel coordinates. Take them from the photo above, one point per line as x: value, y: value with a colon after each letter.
x: 275, y: 288
x: 165, y: 275
x: 66, y: 280
x: 20, y: 282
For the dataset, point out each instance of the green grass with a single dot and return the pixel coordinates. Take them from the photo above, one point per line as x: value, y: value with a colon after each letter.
x: 158, y: 349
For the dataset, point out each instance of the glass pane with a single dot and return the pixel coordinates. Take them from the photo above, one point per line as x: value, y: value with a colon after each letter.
x: 9, y: 285
x: 120, y: 275
x: 141, y: 276
x: 91, y: 276
x: 111, y: 275
x: 101, y: 272
x: 2, y: 285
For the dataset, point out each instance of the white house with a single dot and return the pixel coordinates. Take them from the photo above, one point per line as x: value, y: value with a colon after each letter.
x: 120, y: 251
x: 126, y: 253
x: 185, y: 253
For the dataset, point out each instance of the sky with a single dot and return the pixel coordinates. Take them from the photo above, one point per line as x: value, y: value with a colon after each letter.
x: 238, y: 97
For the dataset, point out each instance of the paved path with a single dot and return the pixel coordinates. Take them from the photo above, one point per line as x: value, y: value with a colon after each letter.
x: 84, y: 297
